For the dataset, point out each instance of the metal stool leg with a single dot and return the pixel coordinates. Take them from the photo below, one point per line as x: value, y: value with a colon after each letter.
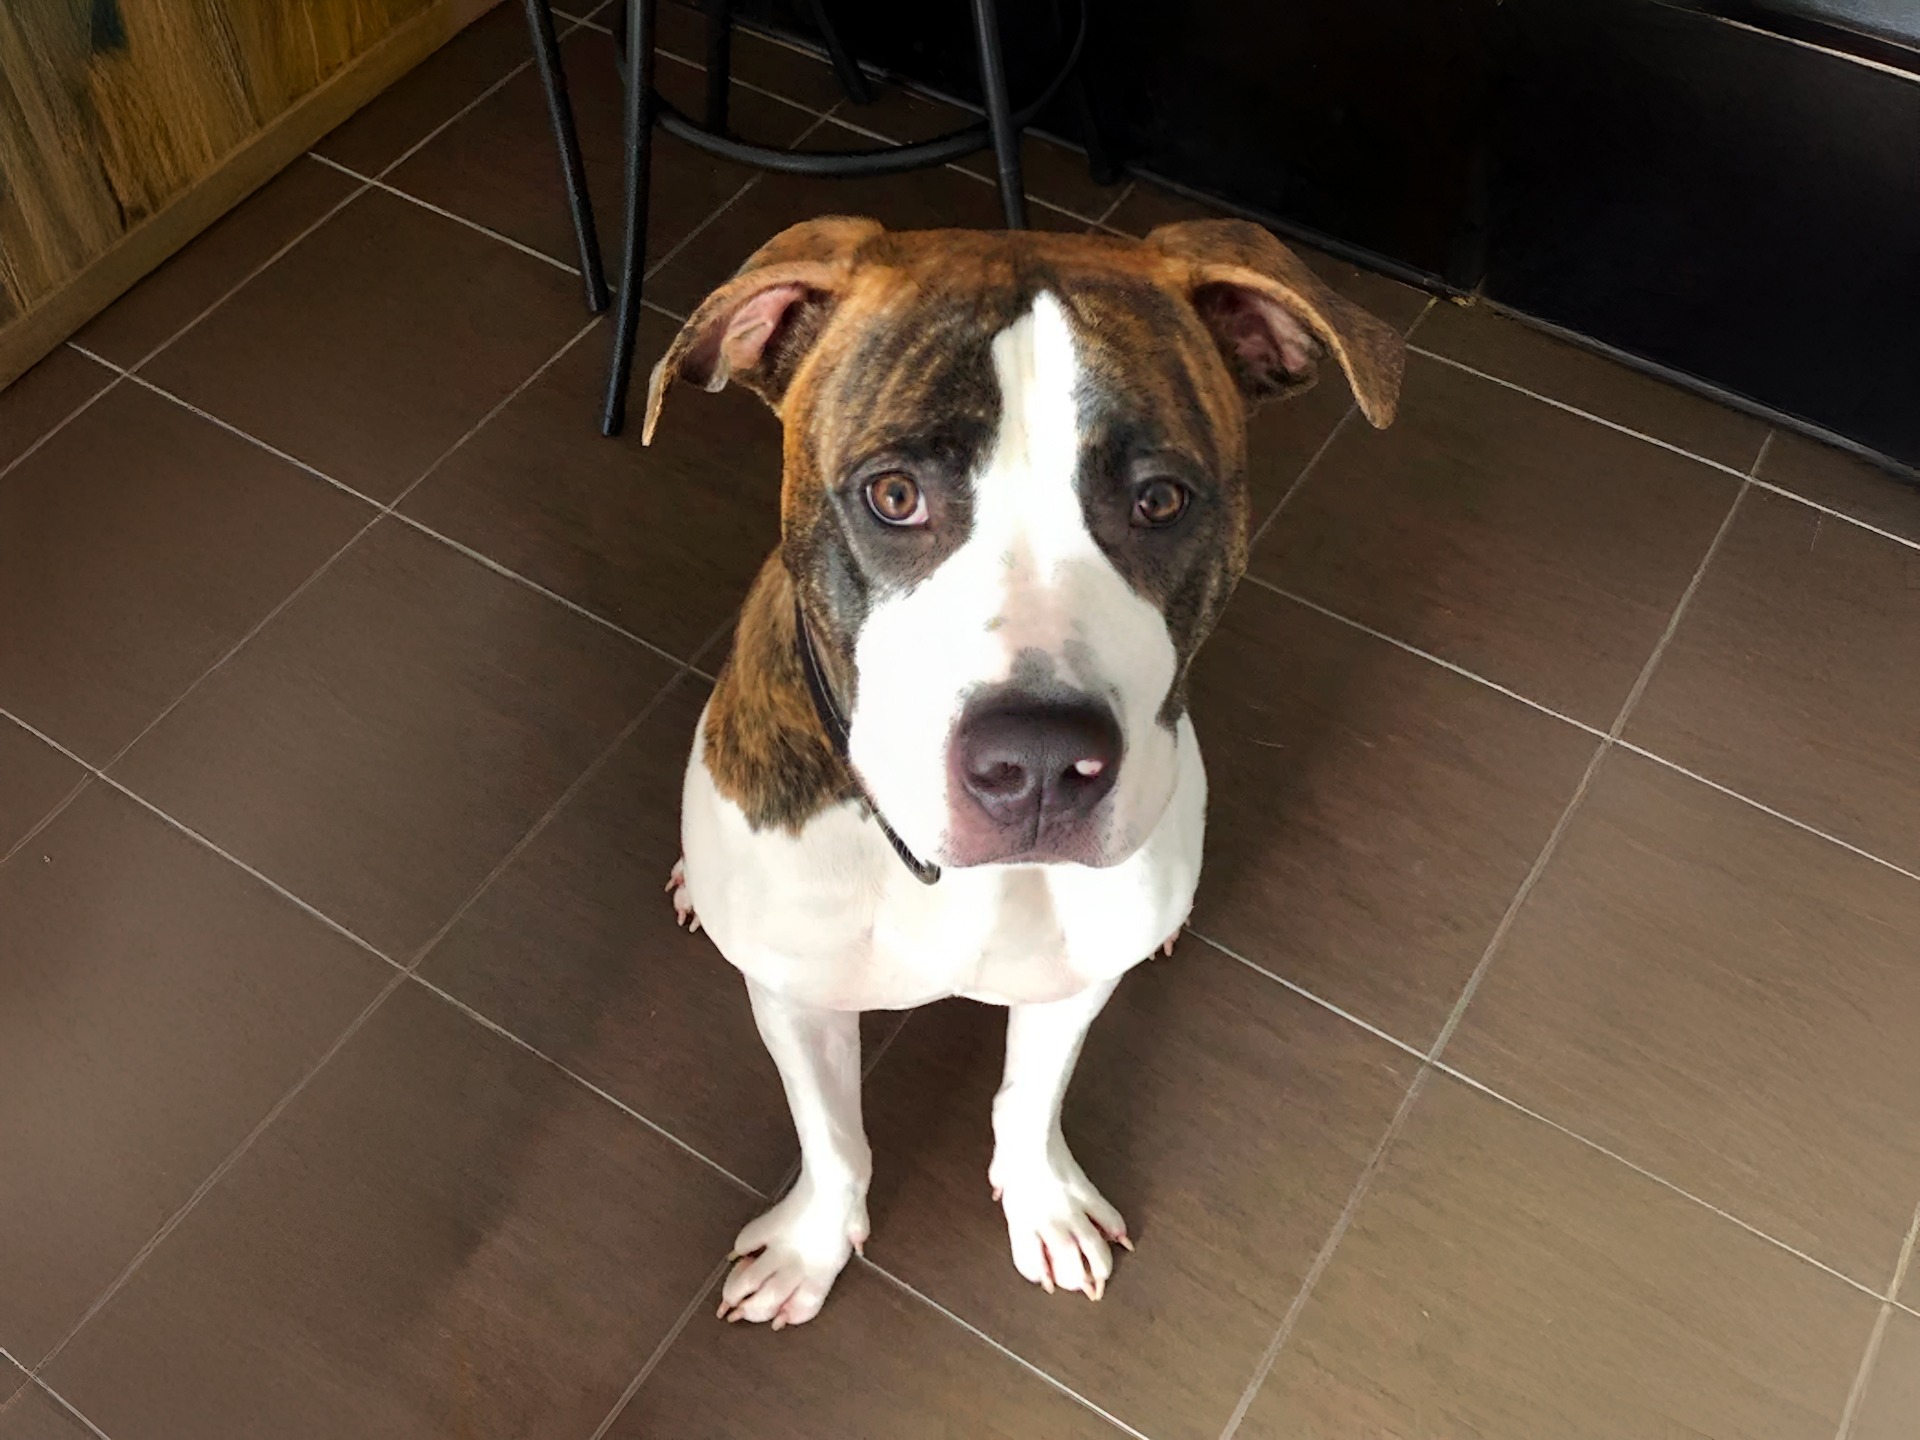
x: 1006, y: 135
x: 719, y: 62
x: 633, y: 260
x: 553, y: 79
x: 852, y: 79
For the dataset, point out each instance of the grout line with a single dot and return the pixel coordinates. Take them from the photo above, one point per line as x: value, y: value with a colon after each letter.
x: 1863, y: 1377
x: 68, y: 1406
x: 1301, y: 479
x: 372, y: 184
x: 1420, y: 319
x: 534, y: 585
x: 1324, y: 1256
x: 1464, y: 1078
x: 1011, y: 1354
x: 233, y: 1157
x: 1480, y: 970
x: 1668, y: 445
x: 1305, y: 994
x: 660, y: 1350
x: 1415, y: 650
x: 64, y: 421
x: 1600, y: 754
x: 1827, y: 510
x: 1665, y: 1184
x: 251, y: 275
x: 47, y: 819
x: 255, y: 440
x: 552, y: 813
x: 1126, y: 193
x: 505, y: 1034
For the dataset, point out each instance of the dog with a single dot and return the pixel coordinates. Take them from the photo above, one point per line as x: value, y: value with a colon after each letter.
x: 949, y: 753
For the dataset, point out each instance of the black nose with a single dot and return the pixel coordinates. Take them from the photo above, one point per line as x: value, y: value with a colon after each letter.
x: 1034, y: 764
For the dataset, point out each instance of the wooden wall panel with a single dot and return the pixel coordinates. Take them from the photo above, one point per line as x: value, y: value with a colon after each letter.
x: 118, y: 115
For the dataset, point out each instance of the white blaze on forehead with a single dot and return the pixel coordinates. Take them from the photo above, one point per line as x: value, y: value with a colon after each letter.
x: 1028, y: 578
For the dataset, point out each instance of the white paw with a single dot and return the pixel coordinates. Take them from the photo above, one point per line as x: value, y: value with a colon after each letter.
x: 682, y: 902
x: 1060, y: 1227
x: 788, y: 1259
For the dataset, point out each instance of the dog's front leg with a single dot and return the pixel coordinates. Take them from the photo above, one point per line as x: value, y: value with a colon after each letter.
x: 789, y: 1257
x: 1058, y: 1223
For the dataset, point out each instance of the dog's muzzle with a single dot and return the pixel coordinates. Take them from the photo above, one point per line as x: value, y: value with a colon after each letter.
x: 1026, y: 777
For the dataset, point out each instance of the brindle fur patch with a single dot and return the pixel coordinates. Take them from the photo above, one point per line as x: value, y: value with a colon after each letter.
x: 764, y: 745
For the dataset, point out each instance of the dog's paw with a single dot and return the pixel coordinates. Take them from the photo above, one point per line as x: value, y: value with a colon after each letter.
x: 1060, y: 1227
x: 682, y: 902
x: 1166, y: 945
x: 787, y: 1260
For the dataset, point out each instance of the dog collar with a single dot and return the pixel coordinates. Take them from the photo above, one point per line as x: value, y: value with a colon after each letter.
x: 839, y: 738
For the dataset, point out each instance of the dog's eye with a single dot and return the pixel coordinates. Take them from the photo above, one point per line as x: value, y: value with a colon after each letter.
x: 1159, y: 502
x: 896, y: 499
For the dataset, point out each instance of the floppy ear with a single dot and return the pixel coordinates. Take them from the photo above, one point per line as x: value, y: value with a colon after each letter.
x: 1273, y: 317
x: 757, y: 327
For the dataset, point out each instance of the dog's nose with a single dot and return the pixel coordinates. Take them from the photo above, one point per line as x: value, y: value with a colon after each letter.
x: 1032, y: 764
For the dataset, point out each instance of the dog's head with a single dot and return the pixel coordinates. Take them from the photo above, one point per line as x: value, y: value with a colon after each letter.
x: 1014, y: 501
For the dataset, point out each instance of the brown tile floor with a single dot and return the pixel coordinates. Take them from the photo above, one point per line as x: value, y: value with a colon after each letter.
x: 1544, y: 1063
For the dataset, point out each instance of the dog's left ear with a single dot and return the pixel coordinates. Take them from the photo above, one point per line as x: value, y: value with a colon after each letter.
x: 756, y: 328
x: 1273, y: 317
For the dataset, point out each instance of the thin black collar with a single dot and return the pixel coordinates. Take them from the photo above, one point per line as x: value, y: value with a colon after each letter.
x: 838, y: 737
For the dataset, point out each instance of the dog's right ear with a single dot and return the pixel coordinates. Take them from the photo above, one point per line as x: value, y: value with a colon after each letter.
x: 756, y: 328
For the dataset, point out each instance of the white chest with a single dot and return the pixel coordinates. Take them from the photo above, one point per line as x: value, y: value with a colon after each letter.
x: 830, y: 917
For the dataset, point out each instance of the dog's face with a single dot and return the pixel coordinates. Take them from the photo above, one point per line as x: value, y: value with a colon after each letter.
x: 1014, y: 501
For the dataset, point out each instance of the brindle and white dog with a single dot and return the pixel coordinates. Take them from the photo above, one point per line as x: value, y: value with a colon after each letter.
x: 950, y: 753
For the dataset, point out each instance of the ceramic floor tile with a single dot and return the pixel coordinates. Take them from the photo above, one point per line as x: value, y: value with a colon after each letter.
x: 1514, y: 351
x: 1226, y: 1118
x: 136, y: 547
x: 433, y: 92
x: 377, y: 342
x: 574, y: 948
x: 1531, y: 546
x: 663, y: 539
x: 36, y: 1415
x: 47, y: 394
x: 1786, y: 679
x: 1726, y: 1000
x: 1890, y: 1407
x: 1370, y: 815
x: 158, y: 1002
x: 498, y: 166
x: 442, y: 1236
x: 218, y: 259
x: 876, y: 1364
x: 1845, y: 483
x: 386, y: 741
x: 34, y: 777
x: 1503, y: 1281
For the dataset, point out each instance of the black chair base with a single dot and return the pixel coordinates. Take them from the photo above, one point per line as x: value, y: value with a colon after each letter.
x: 645, y: 108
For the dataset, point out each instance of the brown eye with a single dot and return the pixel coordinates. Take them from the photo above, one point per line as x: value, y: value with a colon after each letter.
x: 896, y: 499
x: 1159, y: 502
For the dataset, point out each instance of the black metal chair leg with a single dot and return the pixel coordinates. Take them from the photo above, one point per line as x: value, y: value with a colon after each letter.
x: 1006, y: 135
x: 853, y: 80
x: 553, y: 80
x: 638, y: 119
x: 719, y: 62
